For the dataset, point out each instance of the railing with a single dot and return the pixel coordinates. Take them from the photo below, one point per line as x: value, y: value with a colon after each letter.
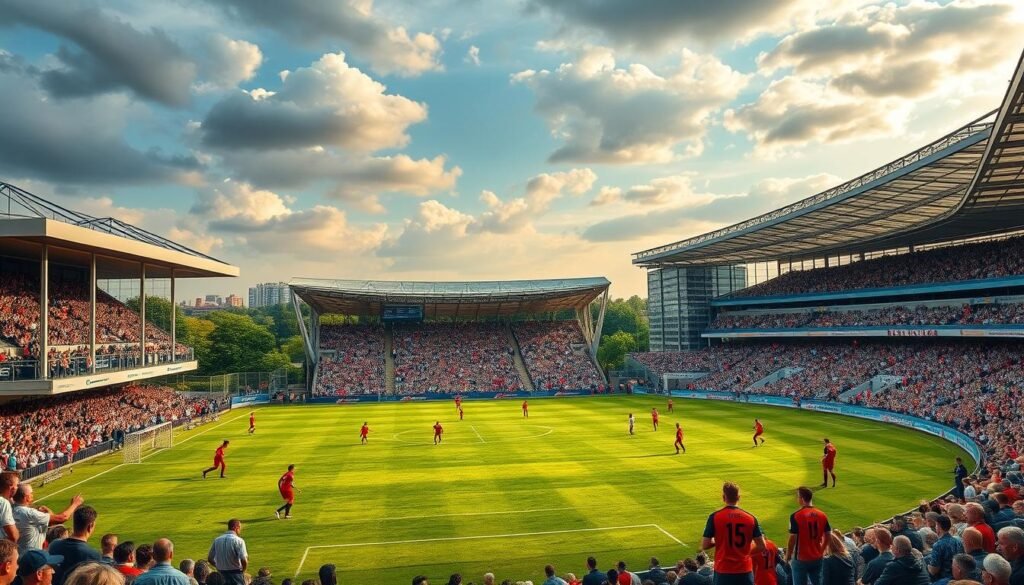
x: 13, y: 370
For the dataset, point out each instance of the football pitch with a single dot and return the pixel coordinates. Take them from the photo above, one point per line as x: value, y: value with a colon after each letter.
x: 501, y: 493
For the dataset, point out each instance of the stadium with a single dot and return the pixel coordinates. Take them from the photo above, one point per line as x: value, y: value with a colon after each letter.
x: 468, y: 427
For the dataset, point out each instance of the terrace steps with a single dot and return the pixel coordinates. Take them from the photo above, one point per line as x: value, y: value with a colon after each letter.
x: 389, y: 360
x: 517, y: 355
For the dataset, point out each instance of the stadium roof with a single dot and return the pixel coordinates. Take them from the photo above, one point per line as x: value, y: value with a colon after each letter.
x: 968, y: 183
x: 468, y: 300
x: 27, y: 220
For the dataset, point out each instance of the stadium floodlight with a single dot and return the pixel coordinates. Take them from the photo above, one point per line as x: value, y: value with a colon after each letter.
x: 150, y: 439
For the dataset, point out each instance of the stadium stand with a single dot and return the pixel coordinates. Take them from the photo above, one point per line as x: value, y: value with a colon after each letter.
x: 52, y: 430
x: 454, y: 357
x: 353, y: 362
x: 976, y: 261
x: 555, y: 355
x: 964, y: 314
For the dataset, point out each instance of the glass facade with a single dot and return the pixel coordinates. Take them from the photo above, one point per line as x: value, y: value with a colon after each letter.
x: 679, y: 302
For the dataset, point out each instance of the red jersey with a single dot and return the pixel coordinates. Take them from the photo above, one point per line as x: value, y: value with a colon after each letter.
x: 458, y: 400
x: 364, y: 430
x: 524, y: 405
x: 809, y: 524
x: 654, y: 415
x: 679, y: 434
x: 252, y: 420
x: 285, y: 483
x: 758, y: 427
x: 438, y: 430
x: 988, y: 536
x: 219, y: 454
x: 734, y: 530
x: 830, y: 453
x: 764, y: 564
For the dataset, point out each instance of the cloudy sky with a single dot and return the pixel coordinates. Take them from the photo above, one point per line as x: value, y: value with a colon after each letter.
x: 474, y: 139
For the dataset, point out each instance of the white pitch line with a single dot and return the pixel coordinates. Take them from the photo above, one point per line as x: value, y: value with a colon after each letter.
x: 119, y: 465
x: 668, y: 534
x: 480, y: 537
x: 389, y: 519
x: 477, y: 433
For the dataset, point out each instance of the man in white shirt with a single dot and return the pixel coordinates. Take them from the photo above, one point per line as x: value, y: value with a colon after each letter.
x: 32, y: 523
x: 8, y: 485
x: 229, y: 555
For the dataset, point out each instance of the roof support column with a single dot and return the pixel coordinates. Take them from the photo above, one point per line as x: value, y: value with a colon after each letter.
x: 174, y: 322
x: 826, y: 262
x: 43, y: 333
x: 92, y: 314
x: 142, y: 316
x: 600, y: 324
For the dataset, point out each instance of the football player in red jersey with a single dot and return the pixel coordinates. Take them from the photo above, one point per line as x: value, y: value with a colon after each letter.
x: 286, y: 485
x: 679, y: 439
x: 828, y: 463
x: 735, y: 535
x: 758, y: 431
x: 526, y: 410
x: 218, y: 460
x: 364, y: 431
x: 764, y: 564
x: 252, y: 422
x: 437, y: 432
x: 808, y: 535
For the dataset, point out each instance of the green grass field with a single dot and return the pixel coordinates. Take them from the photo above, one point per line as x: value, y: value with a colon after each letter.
x: 501, y: 494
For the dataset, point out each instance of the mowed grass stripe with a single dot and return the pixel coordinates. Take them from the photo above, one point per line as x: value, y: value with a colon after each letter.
x: 571, y: 465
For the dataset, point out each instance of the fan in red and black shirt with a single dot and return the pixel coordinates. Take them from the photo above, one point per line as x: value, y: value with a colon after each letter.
x: 730, y: 531
x: 808, y: 535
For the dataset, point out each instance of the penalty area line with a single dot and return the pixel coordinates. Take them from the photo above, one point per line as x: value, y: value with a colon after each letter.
x: 120, y: 465
x: 477, y: 433
x: 305, y: 554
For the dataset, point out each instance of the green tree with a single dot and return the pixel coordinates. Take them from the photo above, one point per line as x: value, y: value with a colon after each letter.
x: 237, y: 343
x: 158, y: 312
x: 293, y: 348
x: 629, y: 316
x: 611, y: 353
x: 196, y: 334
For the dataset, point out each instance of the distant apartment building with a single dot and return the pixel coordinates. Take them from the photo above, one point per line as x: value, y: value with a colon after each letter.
x: 268, y: 294
x: 234, y: 300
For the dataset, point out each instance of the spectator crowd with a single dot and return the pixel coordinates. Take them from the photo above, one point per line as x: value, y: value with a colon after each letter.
x: 454, y: 357
x: 54, y: 429
x: 966, y: 314
x: 355, y: 362
x: 982, y: 260
x: 556, y: 355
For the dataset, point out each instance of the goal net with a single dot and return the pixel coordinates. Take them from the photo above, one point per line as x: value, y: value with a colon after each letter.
x: 140, y: 443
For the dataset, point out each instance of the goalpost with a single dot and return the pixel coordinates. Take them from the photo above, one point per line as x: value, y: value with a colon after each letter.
x: 139, y: 443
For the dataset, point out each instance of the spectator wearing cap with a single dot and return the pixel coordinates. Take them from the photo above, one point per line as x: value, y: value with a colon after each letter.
x: 32, y: 523
x: 36, y: 567
x: 75, y: 548
x: 162, y: 573
x: 8, y: 561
